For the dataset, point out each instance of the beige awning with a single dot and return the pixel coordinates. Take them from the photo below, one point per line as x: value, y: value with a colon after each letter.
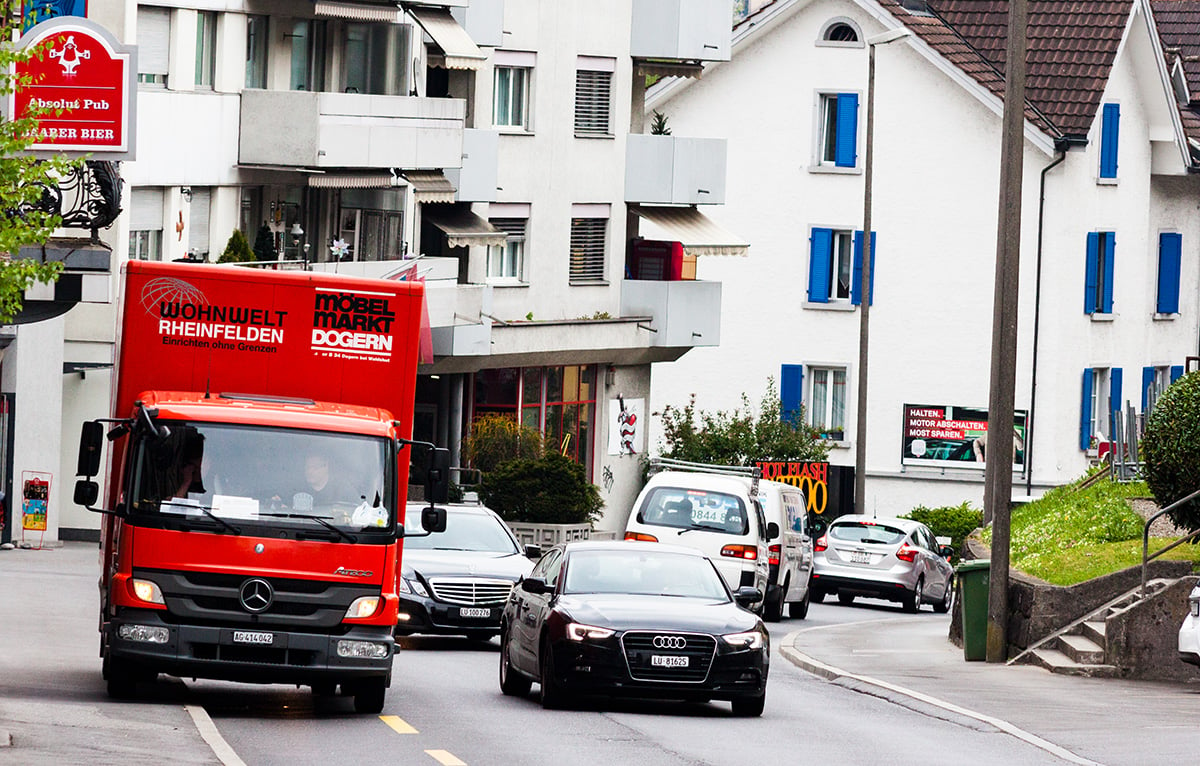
x: 463, y: 228
x: 385, y: 12
x: 690, y: 228
x: 460, y: 51
x: 354, y: 181
x: 430, y: 185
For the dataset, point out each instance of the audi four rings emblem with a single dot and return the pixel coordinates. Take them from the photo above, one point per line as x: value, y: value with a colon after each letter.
x: 669, y: 642
x: 256, y: 595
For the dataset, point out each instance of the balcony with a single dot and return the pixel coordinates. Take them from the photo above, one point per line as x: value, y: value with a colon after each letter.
x: 349, y: 130
x: 477, y: 179
x: 684, y: 314
x: 681, y: 30
x: 668, y: 170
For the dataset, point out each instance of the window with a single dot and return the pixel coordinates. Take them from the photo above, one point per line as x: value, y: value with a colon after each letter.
x: 827, y: 403
x: 206, y: 48
x: 371, y: 223
x: 840, y: 33
x: 1170, y: 251
x: 587, y: 250
x: 593, y: 102
x: 507, y: 261
x: 510, y: 104
x: 146, y: 223
x: 1110, y: 127
x: 154, y: 38
x: 308, y: 55
x: 198, y: 221
x: 1101, y: 405
x: 838, y: 130
x: 374, y: 58
x: 1098, y: 283
x: 1155, y: 380
x: 835, y: 266
x: 256, y: 51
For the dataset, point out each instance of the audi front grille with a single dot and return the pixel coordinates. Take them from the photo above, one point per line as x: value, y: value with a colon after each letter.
x: 470, y: 591
x: 640, y: 647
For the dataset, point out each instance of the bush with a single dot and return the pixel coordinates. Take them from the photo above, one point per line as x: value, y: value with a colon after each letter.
x: 953, y: 521
x: 237, y: 249
x: 551, y: 489
x: 264, y: 244
x: 1171, y: 449
x: 495, y: 439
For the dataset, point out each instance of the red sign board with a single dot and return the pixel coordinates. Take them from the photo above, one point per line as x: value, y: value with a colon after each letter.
x: 82, y: 82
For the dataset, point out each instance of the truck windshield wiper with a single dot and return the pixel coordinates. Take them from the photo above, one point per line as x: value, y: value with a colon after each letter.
x: 207, y: 511
x: 705, y: 527
x: 319, y: 519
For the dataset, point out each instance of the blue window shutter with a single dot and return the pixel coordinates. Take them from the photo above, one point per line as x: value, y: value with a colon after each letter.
x: 1176, y: 372
x: 1091, y: 272
x: 1085, y: 411
x: 791, y: 392
x: 846, y: 151
x: 856, y: 278
x: 1110, y: 128
x: 1115, y: 404
x: 820, y: 263
x: 1147, y: 382
x: 1170, y: 252
x: 1110, y: 271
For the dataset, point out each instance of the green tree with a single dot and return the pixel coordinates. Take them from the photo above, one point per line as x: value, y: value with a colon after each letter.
x: 741, y: 436
x: 496, y: 438
x: 551, y: 489
x: 953, y: 521
x: 237, y: 249
x: 24, y: 179
x: 1171, y: 449
x: 264, y: 244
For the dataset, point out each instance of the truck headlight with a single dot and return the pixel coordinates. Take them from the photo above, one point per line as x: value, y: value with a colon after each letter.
x: 363, y: 607
x: 751, y: 639
x: 362, y: 649
x: 150, y: 634
x: 147, y: 590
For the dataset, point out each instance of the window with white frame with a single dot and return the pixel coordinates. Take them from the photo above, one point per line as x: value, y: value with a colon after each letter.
x: 146, y: 223
x: 841, y: 33
x: 589, y: 229
x: 256, y: 51
x: 1101, y: 405
x: 827, y: 401
x: 154, y: 36
x: 199, y: 216
x: 206, y: 48
x: 831, y: 265
x: 838, y: 130
x: 371, y: 224
x: 593, y: 96
x: 510, y: 97
x: 1098, y: 275
x: 506, y: 262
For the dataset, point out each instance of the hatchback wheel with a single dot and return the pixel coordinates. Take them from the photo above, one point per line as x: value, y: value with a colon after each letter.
x: 845, y: 599
x: 912, y: 601
x: 943, y: 606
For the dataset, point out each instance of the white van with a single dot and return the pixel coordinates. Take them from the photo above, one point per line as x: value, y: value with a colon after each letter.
x: 716, y: 514
x: 790, y: 555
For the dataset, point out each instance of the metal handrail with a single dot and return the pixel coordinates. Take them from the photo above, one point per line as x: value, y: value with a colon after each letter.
x: 1146, y: 536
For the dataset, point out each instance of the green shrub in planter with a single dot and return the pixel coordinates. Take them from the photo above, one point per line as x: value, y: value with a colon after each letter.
x: 551, y: 489
x: 953, y: 521
x: 495, y: 439
x: 237, y: 249
x: 1171, y: 448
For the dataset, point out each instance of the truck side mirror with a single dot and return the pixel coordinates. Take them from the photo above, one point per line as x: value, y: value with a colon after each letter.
x: 437, y: 478
x: 91, y: 448
x: 433, y: 519
x: 86, y: 492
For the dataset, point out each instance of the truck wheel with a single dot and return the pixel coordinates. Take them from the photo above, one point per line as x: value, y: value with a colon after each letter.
x: 324, y: 688
x: 369, y: 694
x: 121, y: 679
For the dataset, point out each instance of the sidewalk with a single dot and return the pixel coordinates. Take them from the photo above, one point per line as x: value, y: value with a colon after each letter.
x: 909, y: 660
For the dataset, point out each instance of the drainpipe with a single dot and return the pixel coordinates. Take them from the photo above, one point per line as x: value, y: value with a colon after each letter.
x: 1062, y: 145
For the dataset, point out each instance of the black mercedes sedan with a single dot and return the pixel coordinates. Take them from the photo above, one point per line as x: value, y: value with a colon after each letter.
x: 457, y: 582
x: 633, y: 619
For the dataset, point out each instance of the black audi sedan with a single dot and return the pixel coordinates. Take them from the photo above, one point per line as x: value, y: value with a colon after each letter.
x: 457, y: 582
x: 633, y: 619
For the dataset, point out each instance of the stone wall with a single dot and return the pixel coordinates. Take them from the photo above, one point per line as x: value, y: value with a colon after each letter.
x: 1143, y: 640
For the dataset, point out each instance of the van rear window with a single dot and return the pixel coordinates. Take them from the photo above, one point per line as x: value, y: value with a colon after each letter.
x: 695, y: 509
x: 856, y: 532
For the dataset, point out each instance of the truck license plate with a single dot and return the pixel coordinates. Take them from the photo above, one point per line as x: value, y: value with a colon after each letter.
x: 668, y: 661
x: 860, y: 557
x: 252, y: 637
x: 474, y: 611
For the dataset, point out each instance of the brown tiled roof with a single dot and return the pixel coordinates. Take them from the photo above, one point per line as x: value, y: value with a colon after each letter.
x: 1178, y: 24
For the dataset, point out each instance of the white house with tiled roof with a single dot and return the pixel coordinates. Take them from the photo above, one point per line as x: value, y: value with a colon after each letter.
x: 1110, y: 272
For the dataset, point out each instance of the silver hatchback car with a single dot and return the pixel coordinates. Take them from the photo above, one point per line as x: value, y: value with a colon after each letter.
x: 893, y: 559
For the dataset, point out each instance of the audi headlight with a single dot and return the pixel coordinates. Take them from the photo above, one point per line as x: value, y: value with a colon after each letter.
x: 363, y: 607
x: 577, y: 632
x: 147, y: 590
x: 751, y: 639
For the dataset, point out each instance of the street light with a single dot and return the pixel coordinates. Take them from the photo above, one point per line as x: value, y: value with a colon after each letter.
x: 864, y: 291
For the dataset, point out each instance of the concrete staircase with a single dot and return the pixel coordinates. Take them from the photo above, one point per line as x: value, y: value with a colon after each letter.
x: 1080, y: 648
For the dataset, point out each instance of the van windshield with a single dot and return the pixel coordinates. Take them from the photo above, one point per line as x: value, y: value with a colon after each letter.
x: 695, y: 509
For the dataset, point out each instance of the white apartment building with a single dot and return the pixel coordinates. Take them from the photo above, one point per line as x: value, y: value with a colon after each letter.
x: 493, y: 148
x: 1109, y: 272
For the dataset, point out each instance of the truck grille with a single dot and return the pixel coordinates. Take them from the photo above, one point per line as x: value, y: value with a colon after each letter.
x: 470, y: 591
x: 697, y: 647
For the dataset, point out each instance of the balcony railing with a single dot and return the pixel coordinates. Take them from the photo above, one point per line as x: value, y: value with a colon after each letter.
x: 681, y: 30
x: 670, y: 170
x: 684, y: 313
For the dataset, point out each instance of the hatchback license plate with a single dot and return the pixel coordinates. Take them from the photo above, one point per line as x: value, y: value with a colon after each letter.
x: 252, y: 637
x: 860, y: 557
x: 472, y: 611
x: 668, y: 661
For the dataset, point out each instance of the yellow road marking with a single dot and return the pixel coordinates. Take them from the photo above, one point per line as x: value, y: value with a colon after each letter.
x: 444, y: 757
x: 398, y: 724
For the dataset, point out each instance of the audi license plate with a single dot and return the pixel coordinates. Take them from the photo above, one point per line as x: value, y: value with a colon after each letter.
x: 668, y: 661
x: 860, y: 557
x: 474, y: 611
x: 253, y: 637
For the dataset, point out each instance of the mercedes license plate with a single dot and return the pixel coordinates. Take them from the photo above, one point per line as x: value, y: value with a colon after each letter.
x: 860, y: 557
x: 474, y: 611
x: 253, y: 637
x: 668, y: 661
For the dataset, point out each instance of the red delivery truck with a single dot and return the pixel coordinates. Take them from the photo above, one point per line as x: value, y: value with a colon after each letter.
x: 260, y: 453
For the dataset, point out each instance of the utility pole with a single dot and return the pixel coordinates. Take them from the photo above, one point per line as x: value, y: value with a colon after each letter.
x: 997, y: 493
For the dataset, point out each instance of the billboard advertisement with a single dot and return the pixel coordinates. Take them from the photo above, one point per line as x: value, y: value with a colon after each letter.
x: 949, y: 436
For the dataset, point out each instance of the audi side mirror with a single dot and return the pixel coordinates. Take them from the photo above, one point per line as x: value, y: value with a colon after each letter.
x: 534, y: 585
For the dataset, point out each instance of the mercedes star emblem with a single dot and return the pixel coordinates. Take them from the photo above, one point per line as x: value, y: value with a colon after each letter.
x: 256, y: 595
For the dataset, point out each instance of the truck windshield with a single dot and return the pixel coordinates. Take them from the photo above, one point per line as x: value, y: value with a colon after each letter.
x: 242, y: 478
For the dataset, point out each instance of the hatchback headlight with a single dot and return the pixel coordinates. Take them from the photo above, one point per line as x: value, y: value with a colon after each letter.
x: 577, y: 632
x: 751, y: 639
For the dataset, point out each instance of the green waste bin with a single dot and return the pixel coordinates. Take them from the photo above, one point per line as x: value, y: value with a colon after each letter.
x: 973, y: 584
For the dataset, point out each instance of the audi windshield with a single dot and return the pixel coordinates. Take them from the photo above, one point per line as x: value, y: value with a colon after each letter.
x: 639, y: 572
